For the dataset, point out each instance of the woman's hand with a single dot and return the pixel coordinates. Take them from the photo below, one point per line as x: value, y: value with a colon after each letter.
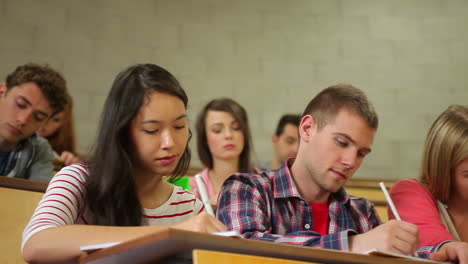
x: 69, y: 158
x: 203, y: 222
x: 452, y: 251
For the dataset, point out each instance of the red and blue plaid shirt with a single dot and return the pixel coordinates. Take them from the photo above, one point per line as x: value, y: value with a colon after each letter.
x: 268, y: 206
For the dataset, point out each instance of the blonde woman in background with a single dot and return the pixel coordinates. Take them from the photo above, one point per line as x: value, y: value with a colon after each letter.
x: 437, y: 202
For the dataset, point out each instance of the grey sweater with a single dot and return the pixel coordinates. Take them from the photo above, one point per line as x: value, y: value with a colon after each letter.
x: 34, y: 158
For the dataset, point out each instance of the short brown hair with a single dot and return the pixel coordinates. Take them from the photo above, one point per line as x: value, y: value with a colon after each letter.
x: 325, y: 106
x: 240, y: 115
x: 445, y: 147
x: 52, y: 84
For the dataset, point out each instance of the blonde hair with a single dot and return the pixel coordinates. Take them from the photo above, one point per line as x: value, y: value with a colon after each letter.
x: 445, y: 147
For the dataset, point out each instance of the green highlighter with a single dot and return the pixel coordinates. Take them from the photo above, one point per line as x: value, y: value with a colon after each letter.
x: 183, y: 182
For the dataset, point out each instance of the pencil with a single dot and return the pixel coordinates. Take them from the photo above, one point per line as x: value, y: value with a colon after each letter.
x: 204, y: 194
x: 392, y: 206
x: 390, y: 201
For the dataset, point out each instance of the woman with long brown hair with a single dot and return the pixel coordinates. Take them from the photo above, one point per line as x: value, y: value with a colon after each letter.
x: 224, y: 144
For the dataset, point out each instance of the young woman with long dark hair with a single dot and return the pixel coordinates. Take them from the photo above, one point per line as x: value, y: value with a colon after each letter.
x: 120, y: 194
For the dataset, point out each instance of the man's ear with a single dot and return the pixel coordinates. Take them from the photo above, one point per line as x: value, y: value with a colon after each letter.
x: 3, y: 89
x: 307, y: 127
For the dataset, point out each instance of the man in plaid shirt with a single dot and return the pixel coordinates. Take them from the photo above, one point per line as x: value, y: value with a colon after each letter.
x: 304, y: 202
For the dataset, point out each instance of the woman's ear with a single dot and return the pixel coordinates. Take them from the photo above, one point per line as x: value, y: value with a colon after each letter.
x: 307, y: 127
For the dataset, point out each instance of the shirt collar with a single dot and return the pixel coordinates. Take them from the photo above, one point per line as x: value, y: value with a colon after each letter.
x: 285, y: 187
x: 283, y: 183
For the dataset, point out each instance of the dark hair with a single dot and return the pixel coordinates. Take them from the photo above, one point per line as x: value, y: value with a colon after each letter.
x: 51, y: 83
x: 111, y: 192
x: 64, y: 138
x: 325, y: 106
x: 292, y: 119
x: 240, y: 115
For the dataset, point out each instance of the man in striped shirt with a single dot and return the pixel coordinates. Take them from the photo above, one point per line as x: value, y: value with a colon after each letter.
x: 304, y: 202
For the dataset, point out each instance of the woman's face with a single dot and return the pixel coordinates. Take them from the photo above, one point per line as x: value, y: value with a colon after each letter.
x: 159, y: 133
x: 224, y: 135
x: 460, y: 183
x: 52, y: 126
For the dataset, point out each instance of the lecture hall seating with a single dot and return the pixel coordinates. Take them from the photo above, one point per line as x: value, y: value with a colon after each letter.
x: 18, y: 198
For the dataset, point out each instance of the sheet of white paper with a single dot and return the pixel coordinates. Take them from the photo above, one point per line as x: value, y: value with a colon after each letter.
x: 378, y: 252
x: 232, y: 233
x: 89, y: 248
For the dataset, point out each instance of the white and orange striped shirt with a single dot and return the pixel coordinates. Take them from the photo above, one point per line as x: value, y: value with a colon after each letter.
x: 63, y: 204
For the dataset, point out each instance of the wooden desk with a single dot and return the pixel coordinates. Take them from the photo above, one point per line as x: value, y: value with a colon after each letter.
x: 16, y: 207
x: 169, y: 242
x: 376, y: 196
x: 208, y: 256
x: 22, y: 184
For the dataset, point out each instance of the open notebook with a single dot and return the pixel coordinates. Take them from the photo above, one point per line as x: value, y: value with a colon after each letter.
x: 383, y: 253
x: 94, y: 247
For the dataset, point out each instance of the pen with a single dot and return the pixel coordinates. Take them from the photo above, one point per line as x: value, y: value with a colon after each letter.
x: 204, y: 194
x: 392, y: 206
x: 390, y: 201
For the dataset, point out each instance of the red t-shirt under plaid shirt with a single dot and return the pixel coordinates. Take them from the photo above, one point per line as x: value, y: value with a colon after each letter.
x: 320, y: 212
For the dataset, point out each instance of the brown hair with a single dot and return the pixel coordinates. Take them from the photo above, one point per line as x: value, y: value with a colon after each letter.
x: 240, y: 115
x: 64, y: 138
x: 51, y: 83
x: 445, y: 147
x: 325, y: 106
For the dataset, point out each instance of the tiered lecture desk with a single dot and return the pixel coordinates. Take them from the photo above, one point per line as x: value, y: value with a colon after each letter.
x: 18, y: 199
x: 178, y: 246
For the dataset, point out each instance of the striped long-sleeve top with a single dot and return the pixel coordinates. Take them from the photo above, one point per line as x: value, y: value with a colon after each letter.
x: 64, y: 204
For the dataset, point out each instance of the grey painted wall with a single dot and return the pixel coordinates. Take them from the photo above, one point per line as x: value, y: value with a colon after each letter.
x: 273, y: 56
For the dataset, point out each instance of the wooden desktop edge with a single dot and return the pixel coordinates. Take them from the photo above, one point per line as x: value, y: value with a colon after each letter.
x: 178, y: 241
x: 22, y: 184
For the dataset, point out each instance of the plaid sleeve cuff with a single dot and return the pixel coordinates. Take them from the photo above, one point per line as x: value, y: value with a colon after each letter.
x: 438, y: 246
x: 338, y: 240
x: 426, y: 251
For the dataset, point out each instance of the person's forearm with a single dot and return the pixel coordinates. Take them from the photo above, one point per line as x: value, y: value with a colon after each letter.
x: 62, y: 244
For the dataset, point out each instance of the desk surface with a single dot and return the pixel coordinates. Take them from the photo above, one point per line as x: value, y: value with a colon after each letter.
x: 16, y: 207
x: 22, y: 184
x: 208, y: 256
x: 169, y: 242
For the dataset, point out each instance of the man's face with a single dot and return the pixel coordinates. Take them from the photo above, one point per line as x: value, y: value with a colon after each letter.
x: 286, y: 144
x: 23, y: 110
x: 336, y: 152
